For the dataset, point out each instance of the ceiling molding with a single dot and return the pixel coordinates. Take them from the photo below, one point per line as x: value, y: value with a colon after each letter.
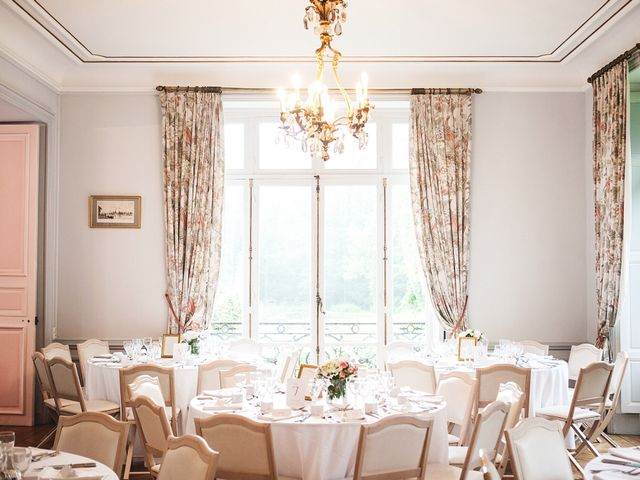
x: 71, y: 44
x: 29, y: 69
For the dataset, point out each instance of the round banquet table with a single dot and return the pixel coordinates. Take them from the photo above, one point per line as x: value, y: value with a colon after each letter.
x: 103, y: 382
x: 608, y: 471
x: 322, y: 449
x: 63, y: 458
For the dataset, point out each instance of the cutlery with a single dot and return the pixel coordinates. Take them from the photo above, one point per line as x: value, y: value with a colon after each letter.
x: 304, y: 418
x: 624, y: 463
x: 72, y: 465
x: 632, y: 472
x: 373, y: 415
x: 40, y: 456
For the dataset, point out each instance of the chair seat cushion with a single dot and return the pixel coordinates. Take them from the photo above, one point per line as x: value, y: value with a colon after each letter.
x: 51, y: 403
x: 104, y: 406
x: 562, y: 412
x: 155, y: 469
x: 457, y: 455
x: 453, y: 440
x: 447, y: 472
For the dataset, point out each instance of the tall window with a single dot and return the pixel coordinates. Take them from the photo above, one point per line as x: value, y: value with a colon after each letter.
x: 320, y: 255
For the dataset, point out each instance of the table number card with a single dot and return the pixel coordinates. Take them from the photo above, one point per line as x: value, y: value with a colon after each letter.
x: 296, y: 392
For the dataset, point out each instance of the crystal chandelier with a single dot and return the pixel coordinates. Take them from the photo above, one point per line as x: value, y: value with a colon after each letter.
x: 315, y: 121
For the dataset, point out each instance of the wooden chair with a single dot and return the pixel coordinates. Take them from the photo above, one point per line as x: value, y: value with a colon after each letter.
x: 490, y: 378
x: 88, y: 350
x: 228, y: 377
x: 488, y: 469
x: 460, y: 391
x: 209, y: 374
x: 486, y: 436
x: 146, y: 386
x: 587, y: 405
x: 66, y: 386
x: 512, y: 395
x: 536, y: 348
x: 245, y: 446
x: 582, y: 356
x: 396, y: 351
x: 46, y: 390
x: 188, y: 457
x: 55, y: 349
x: 395, y: 447
x: 413, y: 374
x: 94, y: 435
x: 537, y: 451
x: 155, y: 430
x: 246, y: 348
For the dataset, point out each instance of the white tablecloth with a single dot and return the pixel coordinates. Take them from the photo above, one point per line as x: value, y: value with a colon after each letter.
x: 319, y: 450
x: 608, y: 471
x: 64, y: 458
x: 103, y: 383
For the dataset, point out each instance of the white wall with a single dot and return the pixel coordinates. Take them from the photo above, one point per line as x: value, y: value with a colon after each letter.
x: 528, y: 262
x: 111, y: 281
x: 528, y: 251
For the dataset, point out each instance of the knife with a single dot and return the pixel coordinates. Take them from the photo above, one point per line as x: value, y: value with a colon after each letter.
x: 624, y: 463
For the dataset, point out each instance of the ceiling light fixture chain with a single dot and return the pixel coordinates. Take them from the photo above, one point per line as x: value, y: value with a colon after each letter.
x: 314, y: 121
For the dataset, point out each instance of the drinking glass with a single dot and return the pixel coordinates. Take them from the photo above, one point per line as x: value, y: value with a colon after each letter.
x: 21, y: 460
x: 7, y: 441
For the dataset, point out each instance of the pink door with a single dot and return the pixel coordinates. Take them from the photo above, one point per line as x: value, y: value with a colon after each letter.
x: 18, y: 249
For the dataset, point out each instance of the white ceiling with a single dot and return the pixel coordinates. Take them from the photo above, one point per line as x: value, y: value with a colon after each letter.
x: 91, y: 44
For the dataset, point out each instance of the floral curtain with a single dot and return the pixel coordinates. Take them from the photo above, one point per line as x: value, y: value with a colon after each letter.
x: 609, y: 162
x: 440, y: 155
x: 193, y: 191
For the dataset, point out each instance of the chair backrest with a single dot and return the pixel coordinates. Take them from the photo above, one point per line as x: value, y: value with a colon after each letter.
x: 511, y: 394
x: 228, y: 377
x: 413, y: 374
x: 94, y: 435
x: 89, y: 349
x: 209, y: 374
x: 246, y: 347
x: 617, y: 376
x: 154, y: 425
x: 188, y: 457
x: 65, y: 382
x: 592, y: 385
x: 459, y: 391
x: 582, y: 356
x: 531, y: 346
x: 396, y: 351
x: 490, y: 378
x: 488, y: 469
x: 486, y: 436
x: 146, y: 386
x: 41, y: 369
x: 245, y: 446
x: 393, y: 448
x: 537, y: 451
x: 55, y: 349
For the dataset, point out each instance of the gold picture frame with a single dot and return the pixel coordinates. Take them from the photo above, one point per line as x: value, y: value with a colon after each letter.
x: 464, y: 343
x: 115, y: 211
x: 169, y: 340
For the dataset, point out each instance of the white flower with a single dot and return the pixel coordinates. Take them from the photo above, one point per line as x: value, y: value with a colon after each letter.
x: 190, y: 336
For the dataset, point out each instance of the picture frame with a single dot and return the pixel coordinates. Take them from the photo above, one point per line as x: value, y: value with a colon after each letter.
x: 115, y: 211
x: 465, y: 348
x: 169, y: 340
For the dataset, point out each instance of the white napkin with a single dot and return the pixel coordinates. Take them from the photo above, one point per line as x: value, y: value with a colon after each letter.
x: 632, y: 454
x: 354, y: 415
x: 65, y: 473
x: 222, y: 393
x: 222, y: 406
x: 277, y: 414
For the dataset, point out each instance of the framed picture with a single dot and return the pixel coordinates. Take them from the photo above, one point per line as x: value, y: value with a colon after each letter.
x: 465, y: 348
x: 115, y: 211
x: 168, y: 342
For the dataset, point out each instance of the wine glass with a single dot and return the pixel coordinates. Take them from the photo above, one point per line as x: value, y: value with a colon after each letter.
x: 21, y: 460
x: 7, y: 441
x: 128, y: 348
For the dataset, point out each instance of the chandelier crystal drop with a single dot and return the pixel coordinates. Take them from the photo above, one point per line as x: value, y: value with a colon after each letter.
x: 316, y: 121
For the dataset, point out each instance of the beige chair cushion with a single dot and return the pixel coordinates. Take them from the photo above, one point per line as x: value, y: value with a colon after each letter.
x: 447, y: 472
x: 562, y: 412
x: 457, y: 455
x: 93, y: 406
x: 453, y: 440
x: 51, y: 403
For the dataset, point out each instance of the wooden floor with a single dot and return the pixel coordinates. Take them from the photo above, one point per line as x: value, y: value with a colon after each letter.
x: 30, y: 436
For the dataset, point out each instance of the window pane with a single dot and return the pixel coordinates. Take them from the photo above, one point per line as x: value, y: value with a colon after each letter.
x: 353, y: 157
x: 409, y: 314
x: 350, y: 266
x: 284, y: 263
x: 227, y: 312
x: 400, y: 145
x: 279, y: 156
x: 234, y: 146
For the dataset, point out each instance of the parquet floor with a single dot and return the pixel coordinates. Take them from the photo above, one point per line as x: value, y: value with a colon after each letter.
x: 29, y: 436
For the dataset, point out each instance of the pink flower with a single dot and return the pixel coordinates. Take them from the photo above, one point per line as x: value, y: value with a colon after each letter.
x: 341, y: 374
x: 344, y: 365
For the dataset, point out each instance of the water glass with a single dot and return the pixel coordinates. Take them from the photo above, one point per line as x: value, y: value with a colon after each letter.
x: 21, y: 460
x: 7, y: 441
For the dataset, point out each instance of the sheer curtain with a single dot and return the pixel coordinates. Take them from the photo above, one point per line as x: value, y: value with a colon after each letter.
x: 609, y: 162
x: 440, y: 154
x: 193, y: 191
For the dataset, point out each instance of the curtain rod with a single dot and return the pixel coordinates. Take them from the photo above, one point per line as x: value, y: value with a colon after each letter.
x: 406, y: 91
x: 625, y: 56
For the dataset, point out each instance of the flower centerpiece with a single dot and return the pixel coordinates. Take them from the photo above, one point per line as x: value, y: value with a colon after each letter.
x: 471, y: 333
x: 336, y: 373
x: 192, y: 338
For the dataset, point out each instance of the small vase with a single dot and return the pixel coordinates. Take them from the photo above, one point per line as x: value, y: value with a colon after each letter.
x: 195, y: 348
x: 337, y: 389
